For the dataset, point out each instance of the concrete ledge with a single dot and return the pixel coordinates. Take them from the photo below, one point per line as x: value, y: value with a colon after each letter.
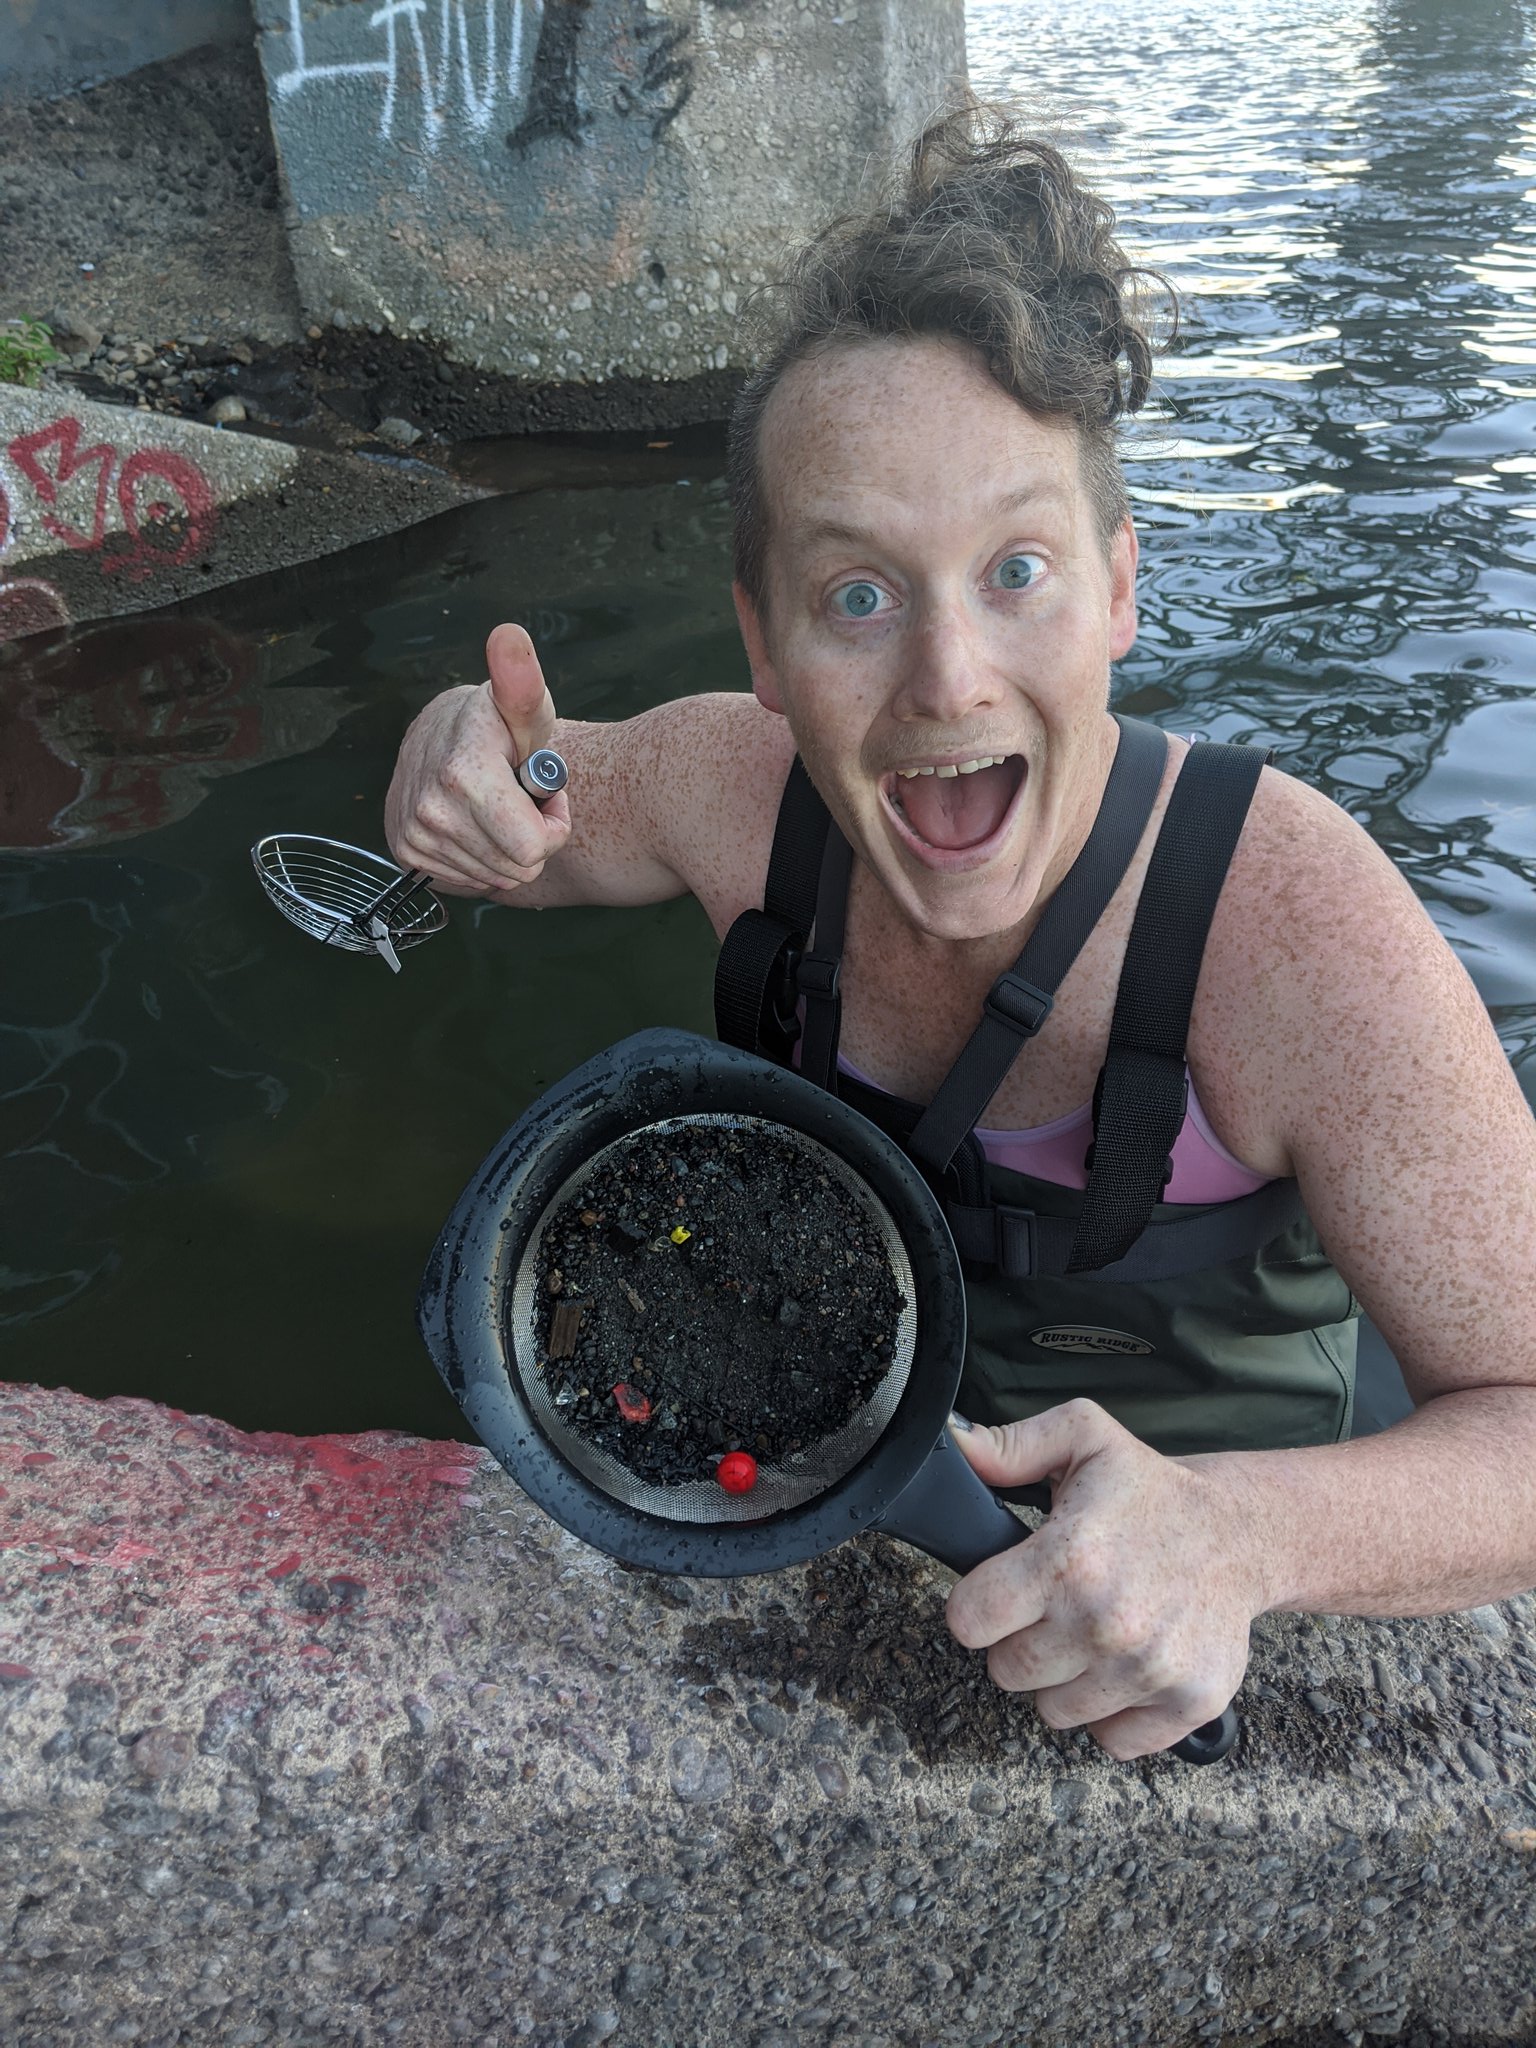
x: 105, y: 509
x: 338, y: 1739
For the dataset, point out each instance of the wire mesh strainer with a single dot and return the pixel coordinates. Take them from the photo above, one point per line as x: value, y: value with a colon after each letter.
x: 346, y: 896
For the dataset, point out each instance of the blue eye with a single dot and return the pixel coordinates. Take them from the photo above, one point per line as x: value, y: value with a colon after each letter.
x: 857, y: 600
x: 1018, y: 572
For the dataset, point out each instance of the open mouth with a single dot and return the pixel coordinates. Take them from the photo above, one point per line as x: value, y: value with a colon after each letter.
x: 956, y: 807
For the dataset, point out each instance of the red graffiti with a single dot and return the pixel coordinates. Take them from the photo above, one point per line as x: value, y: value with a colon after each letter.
x: 65, y: 435
x: 162, y: 497
x: 183, y: 477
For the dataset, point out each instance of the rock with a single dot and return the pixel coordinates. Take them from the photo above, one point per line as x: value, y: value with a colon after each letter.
x: 601, y: 2026
x: 1478, y: 1761
x: 227, y: 411
x: 74, y: 335
x: 637, y: 1981
x: 698, y: 1775
x: 1491, y: 1622
x: 398, y: 432
x: 831, y: 1777
x: 1068, y: 1798
x: 161, y: 1753
x: 767, y: 1719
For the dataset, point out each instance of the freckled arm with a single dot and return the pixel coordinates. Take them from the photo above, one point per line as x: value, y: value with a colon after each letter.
x: 1416, y: 1154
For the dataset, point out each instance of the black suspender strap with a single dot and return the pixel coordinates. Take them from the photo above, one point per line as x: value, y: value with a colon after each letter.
x: 1142, y: 1093
x: 819, y: 972
x: 1020, y: 1000
x: 754, y: 976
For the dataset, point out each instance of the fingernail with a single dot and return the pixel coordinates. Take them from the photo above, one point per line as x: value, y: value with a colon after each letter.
x: 959, y: 1422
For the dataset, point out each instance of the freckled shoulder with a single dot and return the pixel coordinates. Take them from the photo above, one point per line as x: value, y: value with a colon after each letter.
x: 725, y: 760
x: 1316, y: 931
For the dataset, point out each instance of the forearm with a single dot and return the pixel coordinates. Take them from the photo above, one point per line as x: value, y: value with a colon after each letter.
x: 1436, y: 1514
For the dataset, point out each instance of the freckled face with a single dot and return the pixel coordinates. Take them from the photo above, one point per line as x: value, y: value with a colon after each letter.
x: 939, y: 600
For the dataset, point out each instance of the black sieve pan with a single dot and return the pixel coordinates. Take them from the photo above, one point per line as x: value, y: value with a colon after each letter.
x: 889, y: 1464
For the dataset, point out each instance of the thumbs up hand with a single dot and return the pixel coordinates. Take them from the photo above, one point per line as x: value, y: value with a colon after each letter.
x: 455, y: 807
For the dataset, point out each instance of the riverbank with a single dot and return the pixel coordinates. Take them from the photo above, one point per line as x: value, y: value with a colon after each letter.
x: 146, y: 219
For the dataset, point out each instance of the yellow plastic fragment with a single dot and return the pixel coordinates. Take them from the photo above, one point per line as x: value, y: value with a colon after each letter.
x: 681, y: 1236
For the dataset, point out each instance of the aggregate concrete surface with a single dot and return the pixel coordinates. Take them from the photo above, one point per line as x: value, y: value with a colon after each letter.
x: 150, y: 204
x: 111, y: 510
x: 606, y: 199
x: 340, y: 1740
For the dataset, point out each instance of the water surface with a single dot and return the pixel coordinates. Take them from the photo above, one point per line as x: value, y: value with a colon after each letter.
x: 227, y: 1151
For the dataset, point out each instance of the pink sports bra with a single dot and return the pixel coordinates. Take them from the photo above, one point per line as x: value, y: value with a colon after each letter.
x: 1203, y: 1169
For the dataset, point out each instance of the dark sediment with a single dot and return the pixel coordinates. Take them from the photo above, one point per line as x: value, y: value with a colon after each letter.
x: 733, y: 1296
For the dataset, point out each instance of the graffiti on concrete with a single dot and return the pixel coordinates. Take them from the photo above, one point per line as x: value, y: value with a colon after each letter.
x: 554, y: 106
x: 652, y: 58
x: 29, y: 605
x: 665, y: 84
x: 165, y: 506
x: 432, y: 57
x: 444, y: 65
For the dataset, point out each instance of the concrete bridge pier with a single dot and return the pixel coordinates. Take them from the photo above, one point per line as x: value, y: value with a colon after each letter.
x: 586, y: 189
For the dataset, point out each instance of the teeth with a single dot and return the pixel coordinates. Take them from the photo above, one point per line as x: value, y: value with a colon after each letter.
x: 958, y: 768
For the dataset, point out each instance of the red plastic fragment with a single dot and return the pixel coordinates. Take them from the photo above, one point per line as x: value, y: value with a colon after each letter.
x: 633, y: 1405
x: 737, y: 1471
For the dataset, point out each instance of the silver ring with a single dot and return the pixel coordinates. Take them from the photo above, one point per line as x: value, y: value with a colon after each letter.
x: 543, y: 773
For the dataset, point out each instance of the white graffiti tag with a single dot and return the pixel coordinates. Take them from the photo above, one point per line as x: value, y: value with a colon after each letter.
x: 460, y: 75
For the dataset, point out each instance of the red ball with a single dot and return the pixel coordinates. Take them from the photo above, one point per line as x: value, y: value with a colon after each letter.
x: 737, y: 1471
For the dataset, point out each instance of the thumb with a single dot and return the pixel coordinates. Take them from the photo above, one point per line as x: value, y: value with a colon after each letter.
x: 518, y: 690
x: 1041, y: 1447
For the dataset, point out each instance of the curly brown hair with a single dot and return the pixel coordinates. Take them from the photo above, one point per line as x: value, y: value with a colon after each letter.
x: 991, y: 240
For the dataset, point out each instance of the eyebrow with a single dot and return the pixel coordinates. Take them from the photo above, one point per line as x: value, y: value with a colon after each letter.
x: 811, y: 533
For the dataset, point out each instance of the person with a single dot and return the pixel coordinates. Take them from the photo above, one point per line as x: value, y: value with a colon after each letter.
x: 1160, y: 1022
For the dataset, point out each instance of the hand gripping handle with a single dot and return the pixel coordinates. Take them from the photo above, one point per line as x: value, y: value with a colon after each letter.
x: 945, y: 1510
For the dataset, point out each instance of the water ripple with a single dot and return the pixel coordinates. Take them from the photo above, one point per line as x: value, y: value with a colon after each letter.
x: 1335, y: 496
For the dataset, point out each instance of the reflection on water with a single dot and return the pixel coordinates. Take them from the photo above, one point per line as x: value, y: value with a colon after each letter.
x: 228, y: 1152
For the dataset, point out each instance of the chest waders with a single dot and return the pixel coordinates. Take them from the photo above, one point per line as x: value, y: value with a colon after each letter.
x: 1199, y: 1326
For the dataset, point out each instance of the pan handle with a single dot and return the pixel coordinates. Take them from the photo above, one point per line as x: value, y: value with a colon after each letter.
x: 951, y: 1514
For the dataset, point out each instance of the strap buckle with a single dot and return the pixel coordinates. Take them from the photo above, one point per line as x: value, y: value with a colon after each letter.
x: 783, y: 999
x: 815, y: 975
x: 1018, y: 1004
x: 1017, y: 1243
x: 992, y: 1234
